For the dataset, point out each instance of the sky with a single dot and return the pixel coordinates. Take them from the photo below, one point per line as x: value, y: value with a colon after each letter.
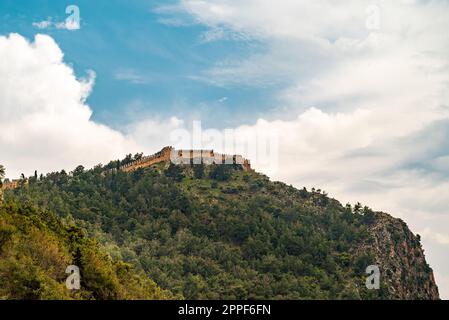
x: 349, y: 96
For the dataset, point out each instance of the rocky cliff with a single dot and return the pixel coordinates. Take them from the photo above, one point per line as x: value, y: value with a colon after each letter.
x: 404, y: 270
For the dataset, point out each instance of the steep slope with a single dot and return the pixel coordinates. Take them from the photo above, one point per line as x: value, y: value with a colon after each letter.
x: 36, y: 248
x: 217, y: 232
x: 399, y: 252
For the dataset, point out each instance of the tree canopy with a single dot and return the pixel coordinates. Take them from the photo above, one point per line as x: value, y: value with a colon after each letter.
x: 214, y: 232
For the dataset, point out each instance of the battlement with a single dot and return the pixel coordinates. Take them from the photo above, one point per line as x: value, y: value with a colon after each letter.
x: 187, y: 157
x: 10, y: 185
x: 167, y: 154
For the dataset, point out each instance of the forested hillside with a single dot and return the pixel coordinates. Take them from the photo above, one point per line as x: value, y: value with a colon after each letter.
x: 221, y: 233
x: 36, y: 248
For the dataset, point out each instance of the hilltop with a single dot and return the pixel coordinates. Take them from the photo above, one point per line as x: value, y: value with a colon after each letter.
x: 223, y: 232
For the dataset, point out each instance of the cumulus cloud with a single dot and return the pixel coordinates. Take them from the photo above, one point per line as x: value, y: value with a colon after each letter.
x: 152, y: 134
x: 44, y: 117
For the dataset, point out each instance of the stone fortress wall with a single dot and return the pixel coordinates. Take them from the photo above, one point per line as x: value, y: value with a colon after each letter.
x: 187, y: 157
x: 170, y: 154
x: 147, y: 161
x: 10, y: 185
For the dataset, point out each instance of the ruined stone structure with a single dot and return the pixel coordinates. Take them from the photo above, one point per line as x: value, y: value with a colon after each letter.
x: 144, y: 162
x: 167, y: 154
x: 187, y: 157
x: 9, y: 185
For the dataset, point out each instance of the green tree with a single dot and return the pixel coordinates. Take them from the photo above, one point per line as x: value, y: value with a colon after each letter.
x: 2, y: 175
x: 220, y: 172
x: 35, y: 249
x: 78, y: 171
x: 198, y: 171
x: 175, y: 172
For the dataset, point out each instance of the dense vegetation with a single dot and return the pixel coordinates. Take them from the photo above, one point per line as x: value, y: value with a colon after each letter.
x: 215, y: 232
x: 36, y: 248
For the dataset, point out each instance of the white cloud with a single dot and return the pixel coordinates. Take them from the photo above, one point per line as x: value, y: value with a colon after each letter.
x: 220, y: 33
x: 66, y: 25
x: 443, y: 282
x: 43, y: 24
x: 44, y: 119
x: 131, y: 76
x: 152, y: 134
x: 437, y: 237
x: 308, y: 38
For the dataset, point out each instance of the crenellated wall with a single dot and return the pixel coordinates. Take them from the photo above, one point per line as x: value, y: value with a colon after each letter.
x: 10, y: 185
x: 187, y: 157
x: 170, y: 154
x: 161, y: 156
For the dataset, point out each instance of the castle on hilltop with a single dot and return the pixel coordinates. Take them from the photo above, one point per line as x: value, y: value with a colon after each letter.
x: 187, y: 157
x: 167, y: 154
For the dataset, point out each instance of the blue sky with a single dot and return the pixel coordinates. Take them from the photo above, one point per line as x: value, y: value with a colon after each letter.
x: 354, y: 92
x: 159, y: 62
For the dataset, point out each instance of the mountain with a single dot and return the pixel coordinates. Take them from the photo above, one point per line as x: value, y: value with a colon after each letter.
x: 222, y: 232
x: 36, y: 248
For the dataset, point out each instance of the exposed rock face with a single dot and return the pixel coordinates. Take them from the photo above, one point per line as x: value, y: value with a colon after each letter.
x: 399, y: 254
